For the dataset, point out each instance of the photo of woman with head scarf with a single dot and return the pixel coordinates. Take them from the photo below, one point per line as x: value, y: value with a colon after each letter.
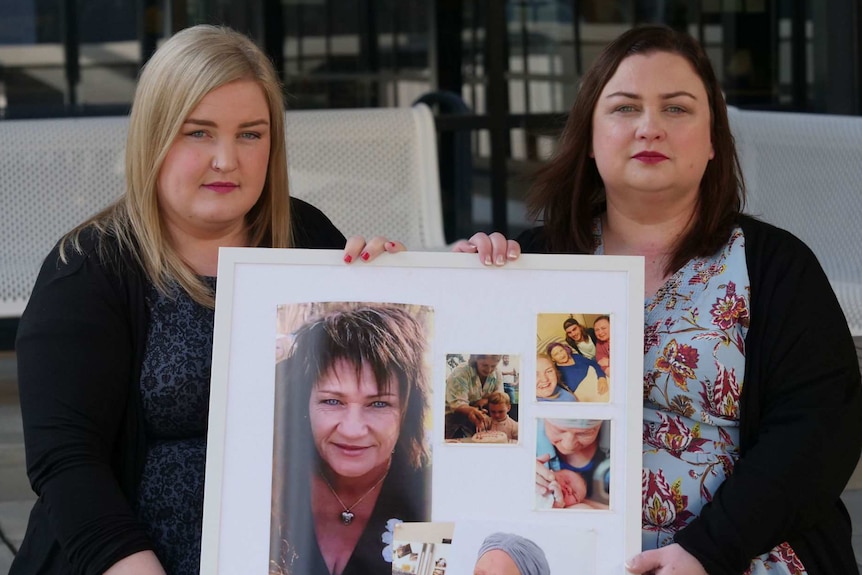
x: 510, y: 554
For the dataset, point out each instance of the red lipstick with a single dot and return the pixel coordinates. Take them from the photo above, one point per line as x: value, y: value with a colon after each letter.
x: 648, y: 157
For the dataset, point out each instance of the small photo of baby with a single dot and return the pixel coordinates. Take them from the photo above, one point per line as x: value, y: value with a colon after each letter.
x: 572, y: 464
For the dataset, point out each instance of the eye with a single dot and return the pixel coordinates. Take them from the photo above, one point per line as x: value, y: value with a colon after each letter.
x: 625, y: 108
x: 332, y: 402
x: 676, y: 109
x: 250, y: 136
x: 380, y: 404
x: 196, y: 134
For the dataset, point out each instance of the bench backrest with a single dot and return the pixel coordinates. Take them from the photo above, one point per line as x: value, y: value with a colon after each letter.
x: 372, y: 171
x: 803, y: 173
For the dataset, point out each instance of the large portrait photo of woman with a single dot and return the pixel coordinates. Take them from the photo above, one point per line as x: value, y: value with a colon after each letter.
x: 351, y: 454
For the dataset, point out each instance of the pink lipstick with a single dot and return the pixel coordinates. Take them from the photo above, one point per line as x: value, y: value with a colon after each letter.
x: 221, y: 187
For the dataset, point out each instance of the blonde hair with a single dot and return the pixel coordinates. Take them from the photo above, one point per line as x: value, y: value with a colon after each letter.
x: 498, y: 398
x: 187, y: 67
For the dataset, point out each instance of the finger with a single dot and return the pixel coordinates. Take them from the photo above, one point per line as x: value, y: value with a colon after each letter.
x: 544, y: 458
x: 513, y: 250
x: 644, y: 562
x: 603, y: 385
x: 393, y: 247
x: 484, y: 247
x: 544, y: 476
x: 557, y: 490
x: 373, y: 248
x: 499, y: 248
x: 464, y: 247
x: 353, y: 248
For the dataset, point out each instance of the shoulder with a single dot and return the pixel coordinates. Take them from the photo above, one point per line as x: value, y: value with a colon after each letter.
x: 780, y: 266
x: 311, y: 227
x: 766, y: 243
x: 88, y: 252
x: 461, y: 371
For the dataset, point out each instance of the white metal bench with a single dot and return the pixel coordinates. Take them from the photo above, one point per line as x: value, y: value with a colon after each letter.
x: 372, y: 171
x: 804, y: 174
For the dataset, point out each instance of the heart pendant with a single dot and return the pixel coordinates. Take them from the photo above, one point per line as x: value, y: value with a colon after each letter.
x: 347, y: 517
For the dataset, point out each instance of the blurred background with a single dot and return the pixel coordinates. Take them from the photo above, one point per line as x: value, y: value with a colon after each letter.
x: 500, y: 73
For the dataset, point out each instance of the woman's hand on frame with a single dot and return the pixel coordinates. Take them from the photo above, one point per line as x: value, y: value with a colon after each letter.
x: 669, y: 560
x: 493, y: 249
x: 357, y: 248
x: 140, y: 563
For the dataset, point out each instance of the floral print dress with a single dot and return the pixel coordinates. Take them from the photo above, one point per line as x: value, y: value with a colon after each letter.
x: 694, y: 362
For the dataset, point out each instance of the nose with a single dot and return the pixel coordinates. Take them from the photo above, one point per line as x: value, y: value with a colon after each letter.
x: 224, y: 157
x: 353, y: 424
x: 651, y: 125
x: 569, y: 441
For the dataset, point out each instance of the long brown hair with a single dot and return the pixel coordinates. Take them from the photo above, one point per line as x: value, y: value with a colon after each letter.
x: 569, y: 193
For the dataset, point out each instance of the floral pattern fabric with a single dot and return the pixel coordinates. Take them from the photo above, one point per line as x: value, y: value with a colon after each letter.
x: 694, y: 361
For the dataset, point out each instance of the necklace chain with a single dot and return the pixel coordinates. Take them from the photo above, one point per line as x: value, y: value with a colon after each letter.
x: 347, y: 515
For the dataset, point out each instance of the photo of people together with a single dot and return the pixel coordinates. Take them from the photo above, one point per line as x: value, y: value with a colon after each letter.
x: 351, y: 437
x: 482, y: 398
x: 573, y: 357
x: 573, y: 464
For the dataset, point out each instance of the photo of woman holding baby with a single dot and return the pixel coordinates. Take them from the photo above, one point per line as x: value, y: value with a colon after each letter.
x: 350, y: 452
x: 572, y: 464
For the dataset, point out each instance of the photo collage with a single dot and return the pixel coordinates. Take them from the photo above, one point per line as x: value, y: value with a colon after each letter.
x: 354, y: 426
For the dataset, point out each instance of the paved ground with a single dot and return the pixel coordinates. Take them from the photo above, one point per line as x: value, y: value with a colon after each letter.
x: 16, y: 497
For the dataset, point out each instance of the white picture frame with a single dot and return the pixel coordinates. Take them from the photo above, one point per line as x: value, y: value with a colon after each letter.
x: 476, y: 309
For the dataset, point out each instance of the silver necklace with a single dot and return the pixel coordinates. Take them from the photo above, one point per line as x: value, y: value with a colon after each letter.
x: 347, y: 515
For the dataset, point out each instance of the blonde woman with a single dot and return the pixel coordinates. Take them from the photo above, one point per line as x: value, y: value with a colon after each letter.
x: 114, y: 348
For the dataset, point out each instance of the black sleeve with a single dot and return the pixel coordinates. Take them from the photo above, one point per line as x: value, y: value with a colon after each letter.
x: 532, y: 241
x: 312, y: 229
x: 74, y: 351
x: 801, y: 414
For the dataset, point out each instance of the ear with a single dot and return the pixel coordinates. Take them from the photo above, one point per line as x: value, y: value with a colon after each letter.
x: 711, y: 151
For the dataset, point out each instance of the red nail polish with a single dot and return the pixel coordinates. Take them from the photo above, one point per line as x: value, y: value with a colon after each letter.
x: 391, y: 244
x: 365, y: 256
x: 347, y: 259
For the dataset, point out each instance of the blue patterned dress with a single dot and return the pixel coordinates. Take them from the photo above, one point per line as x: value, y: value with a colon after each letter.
x: 175, y: 389
x: 694, y: 362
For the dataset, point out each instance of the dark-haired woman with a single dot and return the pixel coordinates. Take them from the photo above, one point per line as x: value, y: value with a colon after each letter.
x: 734, y: 422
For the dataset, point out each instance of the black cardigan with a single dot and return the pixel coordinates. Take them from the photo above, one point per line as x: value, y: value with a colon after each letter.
x: 800, y: 420
x: 80, y: 347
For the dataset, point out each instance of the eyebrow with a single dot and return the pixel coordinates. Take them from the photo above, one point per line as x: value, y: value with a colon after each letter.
x: 321, y: 389
x: 212, y: 124
x: 667, y: 96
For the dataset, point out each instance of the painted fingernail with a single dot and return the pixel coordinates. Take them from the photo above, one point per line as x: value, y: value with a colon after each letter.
x: 391, y: 244
x: 365, y: 256
x: 487, y: 260
x: 500, y: 260
x: 348, y: 259
x: 513, y: 255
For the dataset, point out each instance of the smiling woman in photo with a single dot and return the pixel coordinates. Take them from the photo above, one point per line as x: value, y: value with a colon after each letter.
x: 350, y: 454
